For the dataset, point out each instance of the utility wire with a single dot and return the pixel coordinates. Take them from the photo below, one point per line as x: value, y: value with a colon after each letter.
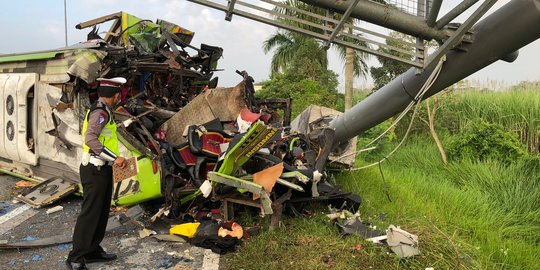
x: 414, y: 103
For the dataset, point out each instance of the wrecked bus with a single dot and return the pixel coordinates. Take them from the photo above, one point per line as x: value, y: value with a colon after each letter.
x: 190, y: 138
x: 47, y: 93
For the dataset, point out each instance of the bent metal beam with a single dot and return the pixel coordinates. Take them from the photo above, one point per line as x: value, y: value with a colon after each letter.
x: 386, y: 16
x: 496, y: 37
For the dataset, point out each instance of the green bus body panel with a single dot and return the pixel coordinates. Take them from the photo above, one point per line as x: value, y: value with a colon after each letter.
x: 149, y: 185
x: 256, y: 137
x: 28, y: 57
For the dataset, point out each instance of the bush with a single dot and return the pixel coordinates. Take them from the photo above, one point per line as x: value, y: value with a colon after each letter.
x: 517, y: 111
x: 484, y: 141
x: 303, y: 93
x: 306, y: 81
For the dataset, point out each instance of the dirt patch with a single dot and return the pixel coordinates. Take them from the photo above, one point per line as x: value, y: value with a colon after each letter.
x: 7, y: 187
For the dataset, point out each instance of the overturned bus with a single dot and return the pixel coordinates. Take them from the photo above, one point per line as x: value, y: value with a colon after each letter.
x: 188, y: 136
x: 47, y: 93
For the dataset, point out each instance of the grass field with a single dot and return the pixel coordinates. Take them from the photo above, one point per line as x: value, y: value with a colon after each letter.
x: 517, y: 111
x: 490, y: 213
x: 468, y: 214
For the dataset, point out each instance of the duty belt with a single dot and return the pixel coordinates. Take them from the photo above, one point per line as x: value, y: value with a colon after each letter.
x: 98, y: 162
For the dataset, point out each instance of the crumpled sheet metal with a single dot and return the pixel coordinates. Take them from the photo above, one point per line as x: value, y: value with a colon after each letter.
x: 309, y: 115
x: 403, y: 243
x: 356, y: 226
x: 265, y: 201
x: 222, y: 103
x: 87, y: 65
x: 51, y: 70
x: 301, y: 124
x: 48, y: 192
x: 47, y: 97
x: 184, y: 34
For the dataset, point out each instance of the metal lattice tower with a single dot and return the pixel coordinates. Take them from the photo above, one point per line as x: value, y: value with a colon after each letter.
x: 331, y: 21
x: 413, y: 7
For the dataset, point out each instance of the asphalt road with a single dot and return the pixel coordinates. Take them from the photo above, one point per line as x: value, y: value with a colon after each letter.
x: 19, y: 222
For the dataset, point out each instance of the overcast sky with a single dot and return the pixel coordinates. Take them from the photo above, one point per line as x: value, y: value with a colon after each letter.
x: 27, y: 25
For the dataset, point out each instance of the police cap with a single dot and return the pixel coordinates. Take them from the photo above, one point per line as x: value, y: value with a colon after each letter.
x: 109, y: 87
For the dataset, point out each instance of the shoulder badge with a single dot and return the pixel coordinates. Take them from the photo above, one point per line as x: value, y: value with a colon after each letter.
x: 101, y: 119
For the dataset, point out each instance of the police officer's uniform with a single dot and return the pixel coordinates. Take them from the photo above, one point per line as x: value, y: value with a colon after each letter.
x: 100, y: 144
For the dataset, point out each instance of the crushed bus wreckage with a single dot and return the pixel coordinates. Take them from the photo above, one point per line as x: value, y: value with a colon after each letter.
x: 195, y: 144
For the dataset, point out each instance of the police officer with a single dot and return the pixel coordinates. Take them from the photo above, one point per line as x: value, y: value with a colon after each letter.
x: 100, y: 145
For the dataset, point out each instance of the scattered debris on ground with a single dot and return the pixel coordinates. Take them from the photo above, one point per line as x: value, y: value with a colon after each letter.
x: 202, y: 151
x: 402, y: 243
x: 54, y: 209
x: 24, y: 184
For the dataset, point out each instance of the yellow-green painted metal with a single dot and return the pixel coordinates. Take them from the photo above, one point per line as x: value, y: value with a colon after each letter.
x: 149, y: 185
x: 29, y: 56
x: 8, y: 172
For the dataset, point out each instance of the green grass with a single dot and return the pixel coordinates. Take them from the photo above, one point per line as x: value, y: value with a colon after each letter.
x: 467, y: 214
x: 491, y: 212
x: 314, y: 243
x: 517, y: 111
x: 301, y: 244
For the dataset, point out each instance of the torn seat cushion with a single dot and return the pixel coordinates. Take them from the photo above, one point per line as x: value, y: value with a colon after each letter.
x: 211, y: 141
x: 182, y: 156
x: 208, y: 143
x: 203, y: 166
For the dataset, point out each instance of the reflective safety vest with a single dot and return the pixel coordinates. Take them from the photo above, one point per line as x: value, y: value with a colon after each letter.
x: 107, y: 137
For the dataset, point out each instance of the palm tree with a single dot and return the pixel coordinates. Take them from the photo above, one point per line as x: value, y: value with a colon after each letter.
x: 287, y: 44
x: 355, y: 66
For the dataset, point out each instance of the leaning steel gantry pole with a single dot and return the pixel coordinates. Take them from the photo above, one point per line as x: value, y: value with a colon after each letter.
x: 498, y: 36
x: 385, y: 15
